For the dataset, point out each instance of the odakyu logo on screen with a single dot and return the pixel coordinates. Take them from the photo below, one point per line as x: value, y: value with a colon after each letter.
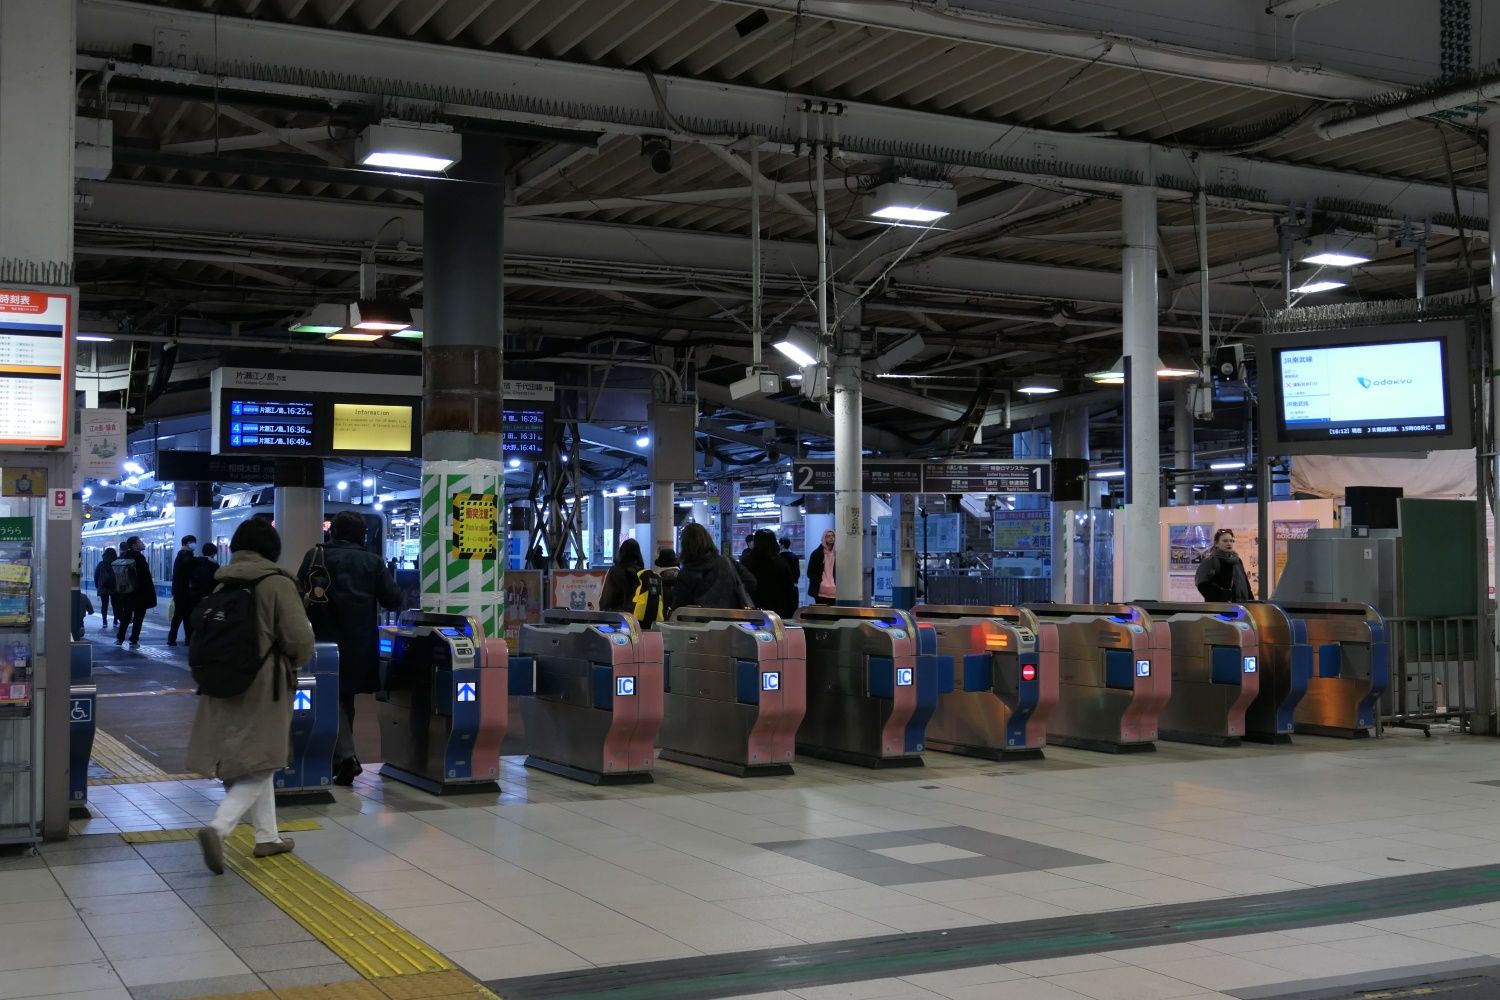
x: 1377, y: 383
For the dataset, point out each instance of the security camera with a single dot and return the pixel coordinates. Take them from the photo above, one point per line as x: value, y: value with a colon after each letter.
x: 657, y: 151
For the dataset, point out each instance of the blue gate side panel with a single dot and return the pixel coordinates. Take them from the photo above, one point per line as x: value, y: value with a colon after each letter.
x: 747, y: 682
x: 1224, y: 665
x: 1301, y: 673
x: 602, y: 676
x: 1028, y: 693
x: 880, y: 672
x: 943, y: 665
x: 1330, y: 659
x: 1119, y: 669
x: 979, y: 672
x: 928, y: 674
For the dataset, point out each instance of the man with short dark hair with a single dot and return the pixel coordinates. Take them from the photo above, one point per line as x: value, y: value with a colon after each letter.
x: 182, y: 570
x: 793, y: 561
x: 135, y: 590
x: 345, y: 585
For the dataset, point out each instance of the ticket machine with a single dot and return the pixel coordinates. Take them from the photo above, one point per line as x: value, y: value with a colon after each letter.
x: 1114, y: 675
x: 596, y: 700
x: 1002, y: 694
x: 1216, y: 670
x: 442, y: 703
x: 1286, y: 668
x: 868, y: 699
x: 736, y: 690
x: 1350, y: 667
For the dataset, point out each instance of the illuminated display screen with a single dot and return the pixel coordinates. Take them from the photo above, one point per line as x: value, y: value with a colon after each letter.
x: 372, y: 427
x: 524, y: 431
x: 34, y: 373
x: 1365, y: 390
x: 288, y: 425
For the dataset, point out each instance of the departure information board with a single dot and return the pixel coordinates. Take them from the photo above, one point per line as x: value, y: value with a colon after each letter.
x: 285, y: 425
x: 35, y: 376
x: 524, y: 432
x: 377, y: 427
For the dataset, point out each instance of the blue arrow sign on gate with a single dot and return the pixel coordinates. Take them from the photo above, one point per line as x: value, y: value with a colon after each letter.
x: 466, y: 691
x: 302, y: 701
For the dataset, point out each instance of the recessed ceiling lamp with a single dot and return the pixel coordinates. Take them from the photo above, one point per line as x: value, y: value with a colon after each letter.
x: 910, y: 200
x: 1336, y: 249
x: 1038, y: 386
x: 1312, y: 282
x: 399, y: 146
x: 1226, y: 466
x: 800, y: 346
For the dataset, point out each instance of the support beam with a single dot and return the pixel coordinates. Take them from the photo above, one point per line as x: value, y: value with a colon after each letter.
x: 282, y: 135
x: 767, y: 186
x: 539, y: 171
x: 789, y: 415
x: 259, y: 140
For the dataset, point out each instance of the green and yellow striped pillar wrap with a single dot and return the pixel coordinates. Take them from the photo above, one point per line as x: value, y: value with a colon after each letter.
x: 463, y: 541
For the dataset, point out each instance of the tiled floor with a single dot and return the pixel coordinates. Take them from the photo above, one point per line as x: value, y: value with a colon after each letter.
x: 555, y: 876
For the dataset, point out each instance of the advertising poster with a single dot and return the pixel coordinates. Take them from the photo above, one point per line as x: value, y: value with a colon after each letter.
x: 1281, y: 531
x: 577, y: 589
x: 523, y: 602
x: 1022, y: 543
x: 101, y: 445
x: 21, y: 481
x: 476, y: 526
x: 938, y: 534
x: 1187, y: 545
x: 885, y: 579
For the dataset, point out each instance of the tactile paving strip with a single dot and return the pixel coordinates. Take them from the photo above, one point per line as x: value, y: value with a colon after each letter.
x: 124, y: 766
x: 170, y: 836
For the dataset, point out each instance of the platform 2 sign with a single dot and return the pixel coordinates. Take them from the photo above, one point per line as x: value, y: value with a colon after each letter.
x: 813, y: 476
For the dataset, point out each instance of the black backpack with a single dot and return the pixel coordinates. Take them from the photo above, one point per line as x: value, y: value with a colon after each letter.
x: 123, y: 569
x: 226, y: 635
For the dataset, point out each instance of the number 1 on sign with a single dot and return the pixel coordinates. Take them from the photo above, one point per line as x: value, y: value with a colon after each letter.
x: 1036, y: 478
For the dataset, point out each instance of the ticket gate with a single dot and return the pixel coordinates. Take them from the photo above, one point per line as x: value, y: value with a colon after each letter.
x: 82, y: 726
x: 596, y: 699
x: 1350, y: 667
x: 869, y: 697
x: 442, y: 703
x: 1001, y: 696
x: 736, y: 690
x: 1286, y: 667
x: 315, y: 728
x: 1113, y: 675
x: 1216, y: 671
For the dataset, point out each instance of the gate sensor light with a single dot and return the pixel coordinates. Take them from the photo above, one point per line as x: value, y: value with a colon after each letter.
x: 1336, y: 250
x: 909, y: 200
x: 397, y: 145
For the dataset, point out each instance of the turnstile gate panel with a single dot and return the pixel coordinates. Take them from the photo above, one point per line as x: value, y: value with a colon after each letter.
x: 868, y: 695
x: 1286, y: 667
x: 1215, y: 663
x: 1350, y: 666
x: 736, y: 690
x: 1001, y: 695
x: 1114, y: 679
x: 598, y: 695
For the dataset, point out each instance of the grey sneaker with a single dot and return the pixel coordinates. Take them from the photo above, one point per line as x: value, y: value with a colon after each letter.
x: 274, y: 847
x: 213, y: 849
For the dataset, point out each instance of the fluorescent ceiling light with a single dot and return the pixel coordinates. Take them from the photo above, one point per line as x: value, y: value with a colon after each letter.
x: 396, y: 145
x: 1038, y: 387
x: 1226, y: 466
x: 1231, y: 486
x: 1336, y: 250
x: 368, y: 483
x: 323, y: 318
x: 514, y: 463
x: 643, y: 442
x: 1115, y: 373
x: 343, y: 485
x: 800, y: 346
x: 413, y: 332
x: 1110, y: 474
x: 361, y: 336
x: 94, y: 338
x: 908, y: 200
x: 1312, y: 282
x: 379, y: 314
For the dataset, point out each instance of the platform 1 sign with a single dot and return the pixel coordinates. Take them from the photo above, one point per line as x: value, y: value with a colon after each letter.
x: 1000, y: 476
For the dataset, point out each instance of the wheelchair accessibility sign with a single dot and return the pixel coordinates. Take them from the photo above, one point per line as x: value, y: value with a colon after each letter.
x: 80, y: 710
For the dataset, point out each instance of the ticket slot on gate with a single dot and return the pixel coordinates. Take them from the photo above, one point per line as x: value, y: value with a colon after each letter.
x: 1113, y: 675
x: 442, y: 703
x: 315, y: 728
x: 596, y: 705
x: 869, y: 696
x: 736, y: 690
x: 1002, y: 694
x: 1286, y: 667
x: 1216, y: 671
x: 1350, y: 667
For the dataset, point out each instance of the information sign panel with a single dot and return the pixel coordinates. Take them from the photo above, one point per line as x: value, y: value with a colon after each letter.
x: 988, y: 477
x: 36, y: 345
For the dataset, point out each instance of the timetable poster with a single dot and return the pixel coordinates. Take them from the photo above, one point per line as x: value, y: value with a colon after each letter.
x: 35, y: 345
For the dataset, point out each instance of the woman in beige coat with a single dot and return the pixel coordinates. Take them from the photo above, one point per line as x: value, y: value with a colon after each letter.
x: 246, y: 739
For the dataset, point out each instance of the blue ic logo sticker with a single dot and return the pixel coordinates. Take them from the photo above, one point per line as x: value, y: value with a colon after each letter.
x: 1251, y: 665
x: 903, y: 677
x: 1143, y: 668
x: 302, y: 701
x: 770, y: 681
x: 466, y: 692
x: 624, y: 687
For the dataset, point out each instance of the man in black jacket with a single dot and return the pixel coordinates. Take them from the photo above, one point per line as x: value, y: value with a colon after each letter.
x: 353, y: 584
x: 135, y: 591
x: 182, y: 571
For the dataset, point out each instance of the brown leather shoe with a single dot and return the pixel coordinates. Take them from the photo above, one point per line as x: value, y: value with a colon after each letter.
x: 274, y: 847
x: 213, y: 849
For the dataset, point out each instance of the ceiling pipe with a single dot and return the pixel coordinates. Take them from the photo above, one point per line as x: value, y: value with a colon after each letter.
x: 1448, y: 100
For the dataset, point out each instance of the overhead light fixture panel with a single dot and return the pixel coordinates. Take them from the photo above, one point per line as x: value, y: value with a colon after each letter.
x: 408, y: 146
x: 912, y: 201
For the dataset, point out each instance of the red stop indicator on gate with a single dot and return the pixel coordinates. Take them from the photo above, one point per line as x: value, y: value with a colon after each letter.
x: 1028, y: 672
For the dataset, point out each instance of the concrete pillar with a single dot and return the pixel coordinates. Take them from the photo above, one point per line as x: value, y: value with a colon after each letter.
x: 904, y: 550
x: 1070, y: 481
x: 298, y: 508
x: 463, y: 228
x: 730, y: 542
x: 192, y: 511
x: 848, y: 445
x: 1142, y: 556
x: 663, y: 514
x: 1487, y: 697
x: 38, y: 42
x: 1182, y: 441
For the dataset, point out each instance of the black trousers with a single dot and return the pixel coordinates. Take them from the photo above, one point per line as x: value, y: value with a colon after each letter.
x: 131, y: 618
x: 104, y: 600
x: 182, y: 614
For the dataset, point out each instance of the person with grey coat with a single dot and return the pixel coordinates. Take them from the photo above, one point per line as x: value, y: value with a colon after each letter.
x: 245, y: 740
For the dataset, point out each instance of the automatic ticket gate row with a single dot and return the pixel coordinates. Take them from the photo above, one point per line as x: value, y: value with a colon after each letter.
x: 1215, y: 664
x: 1339, y: 653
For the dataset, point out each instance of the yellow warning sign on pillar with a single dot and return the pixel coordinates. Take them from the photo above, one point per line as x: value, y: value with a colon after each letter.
x: 476, y: 526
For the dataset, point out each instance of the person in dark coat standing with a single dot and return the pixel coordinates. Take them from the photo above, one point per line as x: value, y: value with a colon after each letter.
x: 775, y: 588
x: 793, y: 561
x: 104, y: 586
x: 132, y: 607
x: 708, y: 578
x: 1221, y: 576
x: 201, y: 580
x: 820, y: 582
x: 623, y: 578
x: 182, y: 569
x: 355, y: 585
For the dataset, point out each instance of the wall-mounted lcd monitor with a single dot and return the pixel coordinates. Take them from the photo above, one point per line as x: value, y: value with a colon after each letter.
x: 524, y: 431
x: 1366, y: 390
x: 374, y: 427
x: 269, y: 423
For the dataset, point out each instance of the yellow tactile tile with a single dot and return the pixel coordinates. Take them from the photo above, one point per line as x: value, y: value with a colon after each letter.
x: 358, y: 990
x: 418, y: 986
x: 169, y: 836
x: 426, y: 985
x: 125, y: 766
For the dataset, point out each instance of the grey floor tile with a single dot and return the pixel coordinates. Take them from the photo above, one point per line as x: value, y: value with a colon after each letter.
x: 197, y: 988
x: 972, y: 867
x: 220, y: 891
x: 255, y: 911
x: 286, y: 955
x: 242, y: 936
x: 313, y: 975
